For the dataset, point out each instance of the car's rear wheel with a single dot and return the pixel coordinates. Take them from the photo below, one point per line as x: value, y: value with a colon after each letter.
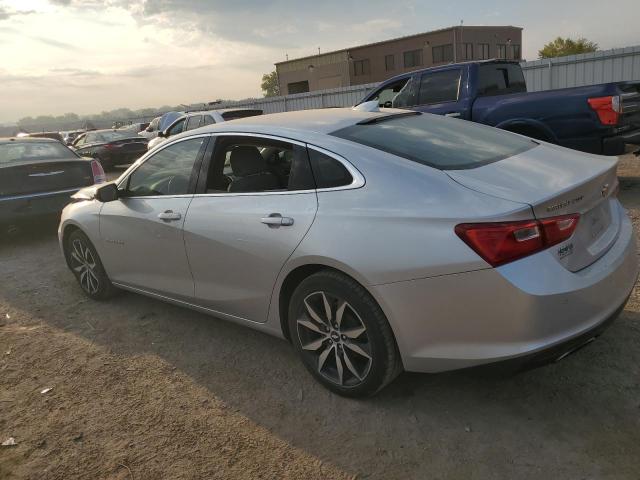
x: 86, y: 266
x: 342, y: 335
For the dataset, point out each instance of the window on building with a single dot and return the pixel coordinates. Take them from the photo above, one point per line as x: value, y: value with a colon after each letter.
x: 502, y: 50
x: 439, y: 87
x: 515, y: 50
x: 412, y: 58
x: 467, y: 51
x: 298, y: 87
x: 389, y: 62
x: 483, y: 51
x: 361, y: 67
x: 443, y: 53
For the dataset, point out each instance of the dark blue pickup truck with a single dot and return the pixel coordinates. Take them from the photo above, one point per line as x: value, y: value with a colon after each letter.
x: 597, y: 118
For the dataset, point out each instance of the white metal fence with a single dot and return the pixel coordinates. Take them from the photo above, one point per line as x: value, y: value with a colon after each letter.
x: 615, y: 65
x: 335, y: 97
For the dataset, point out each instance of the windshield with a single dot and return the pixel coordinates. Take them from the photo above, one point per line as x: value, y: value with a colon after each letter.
x: 15, y: 153
x: 440, y: 142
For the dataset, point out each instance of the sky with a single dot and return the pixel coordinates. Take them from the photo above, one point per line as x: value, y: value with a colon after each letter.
x: 87, y: 56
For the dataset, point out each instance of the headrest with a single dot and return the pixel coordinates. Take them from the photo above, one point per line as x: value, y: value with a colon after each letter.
x: 246, y: 160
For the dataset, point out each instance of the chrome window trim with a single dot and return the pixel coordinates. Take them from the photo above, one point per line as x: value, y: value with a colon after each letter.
x: 41, y: 195
x: 358, y: 180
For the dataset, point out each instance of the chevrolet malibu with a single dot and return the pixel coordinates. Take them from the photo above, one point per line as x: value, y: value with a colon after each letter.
x: 374, y: 240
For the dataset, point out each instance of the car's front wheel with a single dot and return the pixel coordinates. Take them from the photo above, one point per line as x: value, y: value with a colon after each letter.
x: 342, y: 335
x: 85, y: 264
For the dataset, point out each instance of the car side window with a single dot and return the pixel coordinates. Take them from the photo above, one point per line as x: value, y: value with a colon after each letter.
x: 168, y: 172
x: 80, y: 141
x: 439, y: 87
x: 176, y: 128
x: 193, y: 122
x: 327, y: 171
x: 397, y: 94
x: 253, y: 165
x: 207, y: 120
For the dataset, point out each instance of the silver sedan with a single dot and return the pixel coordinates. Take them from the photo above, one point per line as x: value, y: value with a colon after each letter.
x: 374, y: 241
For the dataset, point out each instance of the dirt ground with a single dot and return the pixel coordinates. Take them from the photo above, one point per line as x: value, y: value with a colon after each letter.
x: 145, y: 390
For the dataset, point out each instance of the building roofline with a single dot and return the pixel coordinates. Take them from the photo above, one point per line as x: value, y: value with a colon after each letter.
x: 406, y: 37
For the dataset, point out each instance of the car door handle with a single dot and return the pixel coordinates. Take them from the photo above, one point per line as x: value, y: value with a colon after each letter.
x: 169, y: 216
x: 452, y: 114
x: 276, y: 220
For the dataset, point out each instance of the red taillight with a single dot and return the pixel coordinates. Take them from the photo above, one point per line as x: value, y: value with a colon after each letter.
x: 98, y: 172
x: 607, y: 108
x: 504, y: 242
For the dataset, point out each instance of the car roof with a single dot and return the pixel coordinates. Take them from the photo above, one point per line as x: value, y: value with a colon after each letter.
x: 446, y: 66
x: 321, y: 121
x: 28, y: 140
x: 220, y: 111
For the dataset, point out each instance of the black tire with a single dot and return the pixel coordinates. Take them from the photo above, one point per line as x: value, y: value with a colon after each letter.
x: 357, y: 375
x: 84, y: 262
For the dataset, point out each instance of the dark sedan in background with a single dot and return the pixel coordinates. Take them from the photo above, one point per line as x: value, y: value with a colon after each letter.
x: 38, y: 177
x: 111, y: 147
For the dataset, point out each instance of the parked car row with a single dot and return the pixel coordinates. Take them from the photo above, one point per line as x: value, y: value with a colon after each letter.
x: 111, y: 147
x: 193, y: 120
x: 38, y: 177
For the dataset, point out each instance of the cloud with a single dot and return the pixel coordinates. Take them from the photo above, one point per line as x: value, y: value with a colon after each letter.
x: 53, y: 43
x: 75, y: 72
x: 6, y: 14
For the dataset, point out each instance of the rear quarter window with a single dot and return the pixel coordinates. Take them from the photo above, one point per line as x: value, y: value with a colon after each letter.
x: 327, y: 171
x: 439, y: 142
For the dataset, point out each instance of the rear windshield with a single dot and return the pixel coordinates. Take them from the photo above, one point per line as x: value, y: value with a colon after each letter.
x: 109, y: 136
x: 233, y: 115
x: 500, y: 79
x: 15, y: 153
x: 439, y: 142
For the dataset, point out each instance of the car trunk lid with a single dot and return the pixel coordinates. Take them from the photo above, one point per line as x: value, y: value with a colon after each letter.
x: 44, y: 176
x: 555, y: 181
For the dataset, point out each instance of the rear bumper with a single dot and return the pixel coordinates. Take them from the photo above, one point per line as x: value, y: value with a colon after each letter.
x: 517, y: 311
x: 20, y: 208
x: 616, y: 145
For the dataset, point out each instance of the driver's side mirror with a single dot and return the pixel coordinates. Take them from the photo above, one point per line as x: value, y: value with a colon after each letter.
x: 161, y: 134
x: 107, y: 193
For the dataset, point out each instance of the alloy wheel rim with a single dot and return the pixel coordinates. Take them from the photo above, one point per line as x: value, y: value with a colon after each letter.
x: 334, y: 338
x: 84, y: 266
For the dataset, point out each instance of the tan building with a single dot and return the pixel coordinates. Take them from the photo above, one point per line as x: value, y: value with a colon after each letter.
x: 381, y: 60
